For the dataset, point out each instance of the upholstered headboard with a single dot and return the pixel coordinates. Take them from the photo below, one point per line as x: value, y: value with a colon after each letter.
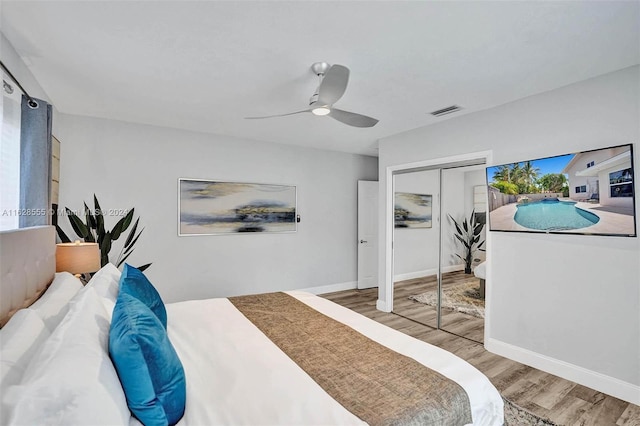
x: 27, y: 267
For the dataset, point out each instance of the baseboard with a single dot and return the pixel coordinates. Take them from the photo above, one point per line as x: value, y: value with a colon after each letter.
x: 349, y: 285
x: 598, y: 381
x: 452, y: 268
x: 416, y: 274
x: 427, y: 272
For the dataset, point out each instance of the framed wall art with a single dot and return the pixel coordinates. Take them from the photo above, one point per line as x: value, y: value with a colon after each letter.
x: 213, y: 207
x: 412, y: 210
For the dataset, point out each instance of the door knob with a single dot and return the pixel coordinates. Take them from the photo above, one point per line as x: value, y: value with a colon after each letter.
x: 363, y: 241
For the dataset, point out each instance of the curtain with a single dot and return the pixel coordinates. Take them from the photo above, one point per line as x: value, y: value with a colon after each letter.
x: 35, y: 164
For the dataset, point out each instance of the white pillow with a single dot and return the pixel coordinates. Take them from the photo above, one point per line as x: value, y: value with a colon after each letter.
x: 54, y: 303
x: 72, y: 381
x: 20, y: 340
x: 106, y: 283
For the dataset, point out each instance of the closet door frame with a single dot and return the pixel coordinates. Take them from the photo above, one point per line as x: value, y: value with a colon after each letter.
x: 385, y: 303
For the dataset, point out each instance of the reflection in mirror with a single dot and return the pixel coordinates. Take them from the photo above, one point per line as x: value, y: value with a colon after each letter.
x: 416, y: 244
x: 463, y: 213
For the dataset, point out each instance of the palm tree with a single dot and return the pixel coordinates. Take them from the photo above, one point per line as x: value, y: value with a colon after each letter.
x: 516, y: 173
x: 529, y: 173
x: 503, y: 174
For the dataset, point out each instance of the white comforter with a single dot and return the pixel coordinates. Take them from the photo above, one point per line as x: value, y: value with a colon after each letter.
x: 237, y: 376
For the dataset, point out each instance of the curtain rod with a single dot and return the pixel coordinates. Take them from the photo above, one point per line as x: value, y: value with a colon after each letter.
x: 30, y: 101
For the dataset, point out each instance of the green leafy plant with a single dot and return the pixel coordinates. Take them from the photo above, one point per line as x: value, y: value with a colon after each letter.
x: 506, y: 187
x: 469, y: 234
x: 93, y: 231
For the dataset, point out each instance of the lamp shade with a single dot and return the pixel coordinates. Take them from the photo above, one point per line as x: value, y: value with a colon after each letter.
x: 78, y: 257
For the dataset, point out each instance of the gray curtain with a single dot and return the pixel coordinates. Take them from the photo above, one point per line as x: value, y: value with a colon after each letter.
x: 35, y: 164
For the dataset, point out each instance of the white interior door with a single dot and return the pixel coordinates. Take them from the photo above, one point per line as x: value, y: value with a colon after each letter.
x: 367, y: 234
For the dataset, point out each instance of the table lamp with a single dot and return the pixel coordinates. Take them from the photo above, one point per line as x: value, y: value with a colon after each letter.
x: 77, y: 258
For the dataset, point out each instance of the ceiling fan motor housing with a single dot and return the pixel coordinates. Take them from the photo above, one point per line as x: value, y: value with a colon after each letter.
x: 319, y: 69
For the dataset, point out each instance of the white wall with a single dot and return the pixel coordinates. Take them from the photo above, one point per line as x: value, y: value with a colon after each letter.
x: 416, y: 250
x: 566, y: 304
x: 453, y: 203
x: 130, y: 165
x: 472, y: 179
x: 14, y: 63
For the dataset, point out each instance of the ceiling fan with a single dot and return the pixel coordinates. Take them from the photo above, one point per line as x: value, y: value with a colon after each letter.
x: 333, y: 83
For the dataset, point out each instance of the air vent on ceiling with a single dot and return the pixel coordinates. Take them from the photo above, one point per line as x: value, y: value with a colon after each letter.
x: 445, y: 111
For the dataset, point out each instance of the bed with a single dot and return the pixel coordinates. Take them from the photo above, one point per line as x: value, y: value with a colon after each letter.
x: 252, y: 360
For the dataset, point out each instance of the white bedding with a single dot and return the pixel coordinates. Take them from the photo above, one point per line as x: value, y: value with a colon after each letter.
x: 236, y: 375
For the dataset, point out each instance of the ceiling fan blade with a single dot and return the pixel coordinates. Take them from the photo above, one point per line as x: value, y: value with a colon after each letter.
x: 351, y: 118
x: 333, y: 85
x: 278, y: 115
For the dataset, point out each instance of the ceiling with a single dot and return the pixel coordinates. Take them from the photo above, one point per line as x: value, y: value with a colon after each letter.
x: 205, y: 65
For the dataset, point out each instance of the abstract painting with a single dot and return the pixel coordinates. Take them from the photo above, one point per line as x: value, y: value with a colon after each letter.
x: 208, y: 207
x: 412, y: 210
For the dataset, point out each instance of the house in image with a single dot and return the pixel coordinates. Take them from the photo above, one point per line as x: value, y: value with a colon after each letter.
x: 604, y: 176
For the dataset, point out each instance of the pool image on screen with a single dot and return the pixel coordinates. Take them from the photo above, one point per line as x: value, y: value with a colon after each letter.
x: 588, y: 193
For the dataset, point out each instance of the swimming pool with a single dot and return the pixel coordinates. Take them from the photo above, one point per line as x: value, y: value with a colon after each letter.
x: 553, y: 215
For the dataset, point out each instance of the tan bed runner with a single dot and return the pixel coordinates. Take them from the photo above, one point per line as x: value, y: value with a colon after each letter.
x: 380, y: 386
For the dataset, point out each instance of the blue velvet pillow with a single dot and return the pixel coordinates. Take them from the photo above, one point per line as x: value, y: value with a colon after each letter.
x: 136, y: 284
x: 149, y: 369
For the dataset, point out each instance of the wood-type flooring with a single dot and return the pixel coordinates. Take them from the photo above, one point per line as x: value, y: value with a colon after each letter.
x: 548, y: 396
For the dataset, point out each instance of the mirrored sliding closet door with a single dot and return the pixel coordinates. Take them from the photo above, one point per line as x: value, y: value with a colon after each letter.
x: 438, y: 241
x: 416, y: 242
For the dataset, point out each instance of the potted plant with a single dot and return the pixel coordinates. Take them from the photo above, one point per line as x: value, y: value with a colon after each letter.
x: 469, y: 234
x: 93, y: 231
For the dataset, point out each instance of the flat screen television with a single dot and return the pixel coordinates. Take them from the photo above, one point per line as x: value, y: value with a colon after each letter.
x: 586, y: 193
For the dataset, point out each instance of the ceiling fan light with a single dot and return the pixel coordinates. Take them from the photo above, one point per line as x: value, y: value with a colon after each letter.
x: 323, y: 110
